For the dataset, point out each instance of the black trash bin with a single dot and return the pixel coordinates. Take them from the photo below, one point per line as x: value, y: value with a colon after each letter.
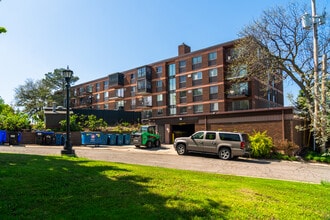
x: 39, y: 135
x: 49, y: 138
x: 13, y: 138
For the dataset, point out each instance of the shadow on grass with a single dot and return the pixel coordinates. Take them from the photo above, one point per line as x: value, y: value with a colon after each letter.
x: 46, y: 187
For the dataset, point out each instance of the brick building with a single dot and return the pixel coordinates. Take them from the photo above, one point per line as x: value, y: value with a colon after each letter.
x: 189, y: 92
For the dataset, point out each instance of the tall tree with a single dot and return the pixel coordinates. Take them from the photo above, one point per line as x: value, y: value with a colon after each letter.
x: 276, y: 45
x: 56, y: 83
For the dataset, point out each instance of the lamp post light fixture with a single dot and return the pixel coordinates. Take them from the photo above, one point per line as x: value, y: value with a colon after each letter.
x: 67, y: 74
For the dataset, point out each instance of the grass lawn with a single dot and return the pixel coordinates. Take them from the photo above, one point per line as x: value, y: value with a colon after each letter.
x: 53, y: 187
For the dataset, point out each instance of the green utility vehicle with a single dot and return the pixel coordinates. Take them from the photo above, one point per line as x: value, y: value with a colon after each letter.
x: 147, y: 137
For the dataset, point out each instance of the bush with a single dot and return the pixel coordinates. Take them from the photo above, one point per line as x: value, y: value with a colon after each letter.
x: 286, y: 147
x: 261, y: 144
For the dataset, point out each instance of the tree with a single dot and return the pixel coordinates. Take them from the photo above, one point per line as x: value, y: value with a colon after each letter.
x: 3, y: 30
x: 33, y: 96
x: 277, y: 47
x: 56, y: 83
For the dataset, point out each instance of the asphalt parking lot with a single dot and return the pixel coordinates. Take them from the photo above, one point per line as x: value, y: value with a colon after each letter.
x: 166, y: 156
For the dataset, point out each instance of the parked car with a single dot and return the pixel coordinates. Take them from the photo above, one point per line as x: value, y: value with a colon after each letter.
x: 226, y: 145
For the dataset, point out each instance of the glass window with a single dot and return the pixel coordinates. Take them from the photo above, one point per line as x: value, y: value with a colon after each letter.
x: 171, y: 70
x: 173, y: 110
x: 159, y: 69
x: 183, y: 110
x: 182, y: 79
x: 89, y: 88
x: 98, y: 87
x: 106, y: 95
x: 172, y: 83
x: 159, y: 84
x: 182, y: 64
x: 141, y: 72
x: 133, y: 102
x: 106, y: 106
x: 160, y: 111
x: 197, y: 76
x: 172, y: 98
x: 213, y: 56
x: 210, y: 136
x: 106, y: 84
x: 239, y: 89
x: 159, y: 97
x: 197, y: 60
x: 240, y: 105
x: 214, y: 107
x: 213, y: 89
x: 183, y: 94
x: 237, y: 72
x: 198, y: 108
x: 198, y: 135
x: 120, y: 92
x: 198, y: 92
x: 213, y: 72
x: 141, y: 85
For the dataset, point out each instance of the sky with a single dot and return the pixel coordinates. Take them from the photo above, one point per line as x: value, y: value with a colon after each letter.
x: 99, y: 37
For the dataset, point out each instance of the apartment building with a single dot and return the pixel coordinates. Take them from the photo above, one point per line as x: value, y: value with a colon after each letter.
x: 180, y: 92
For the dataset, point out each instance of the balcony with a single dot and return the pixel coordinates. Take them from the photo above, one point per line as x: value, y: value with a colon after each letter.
x: 116, y: 80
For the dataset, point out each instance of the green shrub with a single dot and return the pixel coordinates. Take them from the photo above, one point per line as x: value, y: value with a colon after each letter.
x: 261, y: 144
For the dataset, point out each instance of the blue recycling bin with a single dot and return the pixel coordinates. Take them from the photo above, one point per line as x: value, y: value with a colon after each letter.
x: 120, y: 139
x: 127, y: 139
x: 59, y: 139
x: 3, y: 136
x: 112, y: 139
x: 93, y: 138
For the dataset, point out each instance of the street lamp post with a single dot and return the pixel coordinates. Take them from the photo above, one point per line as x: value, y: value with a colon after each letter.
x: 67, y: 74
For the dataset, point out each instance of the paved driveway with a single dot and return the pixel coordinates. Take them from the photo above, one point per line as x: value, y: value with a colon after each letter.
x: 167, y: 157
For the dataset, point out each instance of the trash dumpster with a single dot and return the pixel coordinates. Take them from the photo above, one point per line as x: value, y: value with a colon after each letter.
x: 14, y: 138
x: 93, y: 138
x: 127, y: 139
x: 45, y: 137
x: 48, y: 138
x: 112, y: 139
x: 120, y: 139
x: 39, y: 137
x: 3, y: 136
x: 59, y: 139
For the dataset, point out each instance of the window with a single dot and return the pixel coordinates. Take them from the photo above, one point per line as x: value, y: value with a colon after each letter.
x: 210, y: 136
x: 172, y: 83
x: 213, y: 73
x: 98, y: 87
x: 141, y: 72
x: 147, y: 101
x: 196, y: 62
x: 160, y: 111
x: 89, y: 88
x: 238, y: 72
x: 213, y: 89
x: 133, y: 103
x: 214, y: 107
x: 171, y: 70
x: 239, y: 89
x: 106, y: 85
x: 160, y: 98
x: 183, y: 110
x: 198, y: 135
x: 240, y: 105
x: 198, y: 108
x: 97, y: 96
x: 159, y: 69
x: 159, y: 84
x: 183, y: 96
x: 182, y: 79
x: 106, y: 96
x: 172, y: 110
x: 198, y: 92
x: 120, y: 92
x: 132, y: 78
x: 182, y: 66
x: 119, y: 105
x: 197, y: 76
x: 212, y: 58
x: 229, y: 137
x: 106, y: 106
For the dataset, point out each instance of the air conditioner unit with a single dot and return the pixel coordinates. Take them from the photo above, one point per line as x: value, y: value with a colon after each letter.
x: 189, y: 75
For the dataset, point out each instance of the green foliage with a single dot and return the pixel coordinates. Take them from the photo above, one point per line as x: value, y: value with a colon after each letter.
x: 12, y: 121
x: 75, y: 124
x: 94, y: 124
x: 317, y: 157
x: 261, y: 144
x: 3, y: 30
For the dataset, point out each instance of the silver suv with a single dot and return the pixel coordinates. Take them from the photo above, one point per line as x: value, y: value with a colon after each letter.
x: 227, y: 145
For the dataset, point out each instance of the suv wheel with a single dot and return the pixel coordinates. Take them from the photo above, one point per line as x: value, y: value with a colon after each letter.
x: 224, y: 153
x: 181, y: 149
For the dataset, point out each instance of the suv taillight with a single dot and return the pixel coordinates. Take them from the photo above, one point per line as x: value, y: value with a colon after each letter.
x: 242, y: 145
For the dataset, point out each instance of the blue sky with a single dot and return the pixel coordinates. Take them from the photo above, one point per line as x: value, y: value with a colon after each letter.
x: 99, y: 37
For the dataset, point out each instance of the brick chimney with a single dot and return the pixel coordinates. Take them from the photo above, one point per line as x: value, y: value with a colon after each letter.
x: 183, y: 49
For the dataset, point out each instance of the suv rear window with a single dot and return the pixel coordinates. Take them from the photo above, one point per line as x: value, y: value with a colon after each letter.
x: 229, y: 137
